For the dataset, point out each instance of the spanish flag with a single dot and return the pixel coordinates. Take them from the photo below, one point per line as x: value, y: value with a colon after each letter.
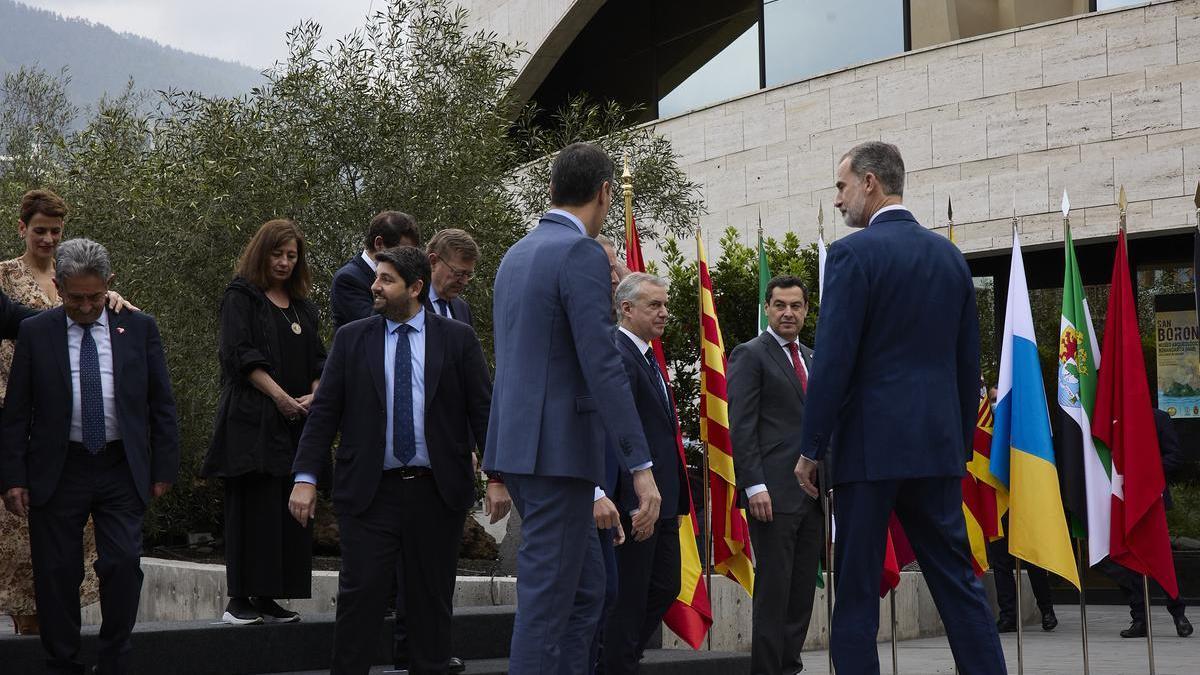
x: 690, y: 616
x: 983, y: 503
x: 730, y: 533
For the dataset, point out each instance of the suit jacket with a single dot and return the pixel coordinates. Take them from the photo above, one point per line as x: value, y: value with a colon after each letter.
x: 350, y: 294
x: 766, y: 411
x: 1168, y: 447
x: 37, y: 413
x: 458, y: 307
x: 11, y: 315
x: 561, y: 391
x: 352, y: 401
x: 897, y: 384
x: 657, y: 414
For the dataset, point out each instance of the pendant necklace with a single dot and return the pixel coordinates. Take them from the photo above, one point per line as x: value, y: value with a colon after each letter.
x: 295, y: 324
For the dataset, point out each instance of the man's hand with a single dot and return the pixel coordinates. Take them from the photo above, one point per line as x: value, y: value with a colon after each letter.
x: 606, y: 514
x: 159, y: 489
x: 649, y: 504
x: 303, y: 503
x: 618, y: 535
x: 16, y: 500
x: 305, y: 401
x: 806, y: 473
x: 474, y: 464
x: 118, y: 304
x: 497, y: 503
x: 760, y: 507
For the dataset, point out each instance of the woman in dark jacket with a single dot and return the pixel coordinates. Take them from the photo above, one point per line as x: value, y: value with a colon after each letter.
x: 271, y: 359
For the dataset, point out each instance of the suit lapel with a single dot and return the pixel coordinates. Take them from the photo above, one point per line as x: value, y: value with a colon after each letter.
x: 434, y: 352
x: 117, y: 344
x: 775, y: 352
x: 60, y: 350
x: 628, y: 345
x: 375, y: 354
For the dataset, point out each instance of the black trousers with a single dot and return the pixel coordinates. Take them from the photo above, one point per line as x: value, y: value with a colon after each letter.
x: 1131, y: 586
x: 406, y: 520
x: 1006, y: 586
x: 786, y: 553
x: 102, y: 486
x: 649, y: 579
x: 267, y: 553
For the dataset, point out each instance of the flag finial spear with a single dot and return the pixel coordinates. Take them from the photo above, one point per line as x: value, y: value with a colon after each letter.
x: 1122, y: 204
x: 821, y: 216
x: 1066, y: 205
x: 950, y: 220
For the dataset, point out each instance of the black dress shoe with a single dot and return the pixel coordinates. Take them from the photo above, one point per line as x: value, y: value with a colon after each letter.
x: 1049, y: 621
x: 456, y: 665
x: 1183, y: 627
x: 1006, y: 626
x: 1137, y: 629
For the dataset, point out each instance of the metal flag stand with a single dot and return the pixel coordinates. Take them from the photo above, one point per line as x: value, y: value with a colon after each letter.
x: 895, y: 652
x: 1081, y: 543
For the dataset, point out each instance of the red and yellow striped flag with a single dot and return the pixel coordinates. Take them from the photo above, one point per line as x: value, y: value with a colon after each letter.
x: 690, y: 616
x: 982, y: 503
x: 730, y: 533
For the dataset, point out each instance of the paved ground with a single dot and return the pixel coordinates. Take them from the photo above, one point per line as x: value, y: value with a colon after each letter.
x: 1057, y: 652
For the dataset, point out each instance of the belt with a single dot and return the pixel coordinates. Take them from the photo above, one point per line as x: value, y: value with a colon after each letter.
x: 409, y: 472
x: 112, y: 447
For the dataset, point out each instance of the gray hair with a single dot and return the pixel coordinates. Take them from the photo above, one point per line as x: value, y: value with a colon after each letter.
x: 606, y: 242
x: 881, y: 159
x: 81, y: 256
x: 630, y: 288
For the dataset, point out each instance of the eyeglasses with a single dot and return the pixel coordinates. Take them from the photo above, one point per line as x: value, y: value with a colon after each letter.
x: 459, y: 275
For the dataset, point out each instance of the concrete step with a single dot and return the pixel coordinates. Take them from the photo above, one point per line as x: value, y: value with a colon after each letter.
x: 214, y: 648
x: 656, y: 662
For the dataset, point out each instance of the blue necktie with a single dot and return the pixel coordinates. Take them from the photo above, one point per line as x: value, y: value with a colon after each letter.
x: 444, y: 308
x: 404, y: 441
x: 91, y: 394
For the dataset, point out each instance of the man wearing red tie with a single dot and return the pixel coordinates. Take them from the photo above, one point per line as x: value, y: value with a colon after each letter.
x: 768, y: 379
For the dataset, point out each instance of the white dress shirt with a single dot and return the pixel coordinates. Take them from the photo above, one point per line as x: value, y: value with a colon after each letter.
x: 783, y: 344
x: 893, y: 207
x: 571, y: 217
x: 370, y: 261
x: 100, y: 334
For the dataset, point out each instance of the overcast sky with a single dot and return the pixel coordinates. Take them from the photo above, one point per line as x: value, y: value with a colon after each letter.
x: 247, y: 31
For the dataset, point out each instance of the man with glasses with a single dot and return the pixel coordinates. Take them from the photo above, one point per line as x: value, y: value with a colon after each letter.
x: 452, y: 257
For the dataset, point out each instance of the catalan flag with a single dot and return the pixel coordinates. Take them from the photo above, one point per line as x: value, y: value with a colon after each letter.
x: 730, y: 533
x: 1022, y: 453
x: 984, y: 497
x: 690, y: 616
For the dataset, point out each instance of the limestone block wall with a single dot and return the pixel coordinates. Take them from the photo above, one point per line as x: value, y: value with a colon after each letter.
x: 1087, y: 104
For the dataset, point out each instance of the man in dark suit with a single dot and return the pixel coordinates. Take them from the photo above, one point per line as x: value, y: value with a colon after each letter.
x: 452, y: 258
x: 647, y: 568
x: 768, y: 377
x: 350, y: 294
x: 561, y: 394
x: 103, y: 376
x: 406, y: 390
x: 895, y: 389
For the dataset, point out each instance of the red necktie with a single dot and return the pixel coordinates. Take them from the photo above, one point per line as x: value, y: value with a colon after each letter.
x: 800, y: 373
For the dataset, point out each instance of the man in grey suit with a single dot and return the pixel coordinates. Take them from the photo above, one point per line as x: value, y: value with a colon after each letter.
x: 560, y: 394
x: 768, y: 378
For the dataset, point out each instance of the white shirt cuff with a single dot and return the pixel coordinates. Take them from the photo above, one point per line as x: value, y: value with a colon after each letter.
x: 599, y: 494
x: 642, y: 467
x: 306, y: 478
x: 755, y: 489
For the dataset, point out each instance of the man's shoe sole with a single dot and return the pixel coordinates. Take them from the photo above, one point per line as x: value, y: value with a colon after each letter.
x: 235, y: 621
x: 281, y: 619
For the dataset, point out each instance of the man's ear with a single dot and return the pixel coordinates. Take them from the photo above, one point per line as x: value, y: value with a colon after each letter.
x: 378, y: 244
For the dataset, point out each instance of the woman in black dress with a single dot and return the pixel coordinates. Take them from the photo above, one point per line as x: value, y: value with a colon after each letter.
x: 271, y: 359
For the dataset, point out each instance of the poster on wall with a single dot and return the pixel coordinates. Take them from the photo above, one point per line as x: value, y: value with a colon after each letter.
x: 1178, y: 355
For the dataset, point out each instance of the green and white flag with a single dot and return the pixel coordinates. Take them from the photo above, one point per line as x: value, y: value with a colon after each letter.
x: 1085, y: 468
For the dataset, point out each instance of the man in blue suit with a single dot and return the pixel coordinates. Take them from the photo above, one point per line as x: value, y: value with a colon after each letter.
x: 89, y: 429
x: 560, y: 394
x: 894, y: 389
x: 350, y: 293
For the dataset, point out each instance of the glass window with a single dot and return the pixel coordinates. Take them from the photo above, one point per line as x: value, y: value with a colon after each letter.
x: 804, y: 38
x: 733, y: 71
x: 933, y: 22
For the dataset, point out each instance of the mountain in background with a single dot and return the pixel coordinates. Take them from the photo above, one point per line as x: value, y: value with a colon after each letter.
x: 101, y: 60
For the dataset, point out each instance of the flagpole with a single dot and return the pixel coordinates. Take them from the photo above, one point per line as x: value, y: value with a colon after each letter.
x: 1066, y: 211
x: 1017, y: 561
x: 827, y: 490
x: 627, y: 192
x: 895, y: 654
x: 707, y: 496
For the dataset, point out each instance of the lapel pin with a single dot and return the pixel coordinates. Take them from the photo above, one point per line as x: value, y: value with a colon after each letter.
x: 120, y: 330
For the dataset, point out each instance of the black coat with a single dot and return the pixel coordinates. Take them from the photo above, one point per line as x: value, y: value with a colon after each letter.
x: 250, y: 435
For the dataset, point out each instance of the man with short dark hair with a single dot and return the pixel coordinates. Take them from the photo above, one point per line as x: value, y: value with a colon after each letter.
x: 401, y: 389
x: 77, y: 444
x: 560, y: 395
x: 768, y: 379
x: 896, y: 382
x: 350, y: 292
